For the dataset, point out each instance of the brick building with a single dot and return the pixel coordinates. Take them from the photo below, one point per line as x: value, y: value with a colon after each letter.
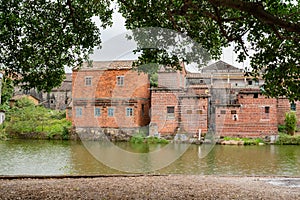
x: 110, y: 96
x: 176, y: 108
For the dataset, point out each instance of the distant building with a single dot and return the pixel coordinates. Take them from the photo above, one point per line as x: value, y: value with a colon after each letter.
x: 58, y: 99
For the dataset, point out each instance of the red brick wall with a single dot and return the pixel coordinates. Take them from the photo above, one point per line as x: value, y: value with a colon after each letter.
x: 194, y: 114
x: 252, y: 121
x: 105, y: 93
x: 190, y: 112
x: 284, y: 106
x: 160, y: 100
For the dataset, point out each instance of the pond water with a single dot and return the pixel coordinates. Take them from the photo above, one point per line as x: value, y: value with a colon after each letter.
x: 37, y: 157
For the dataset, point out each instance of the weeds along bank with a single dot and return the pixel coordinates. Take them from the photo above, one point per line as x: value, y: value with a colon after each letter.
x: 28, y: 121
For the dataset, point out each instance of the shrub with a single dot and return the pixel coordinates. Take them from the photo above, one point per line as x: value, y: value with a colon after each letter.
x: 290, y: 122
x: 285, y: 139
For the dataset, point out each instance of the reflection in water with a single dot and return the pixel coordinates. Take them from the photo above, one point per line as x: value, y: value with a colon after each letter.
x: 21, y: 157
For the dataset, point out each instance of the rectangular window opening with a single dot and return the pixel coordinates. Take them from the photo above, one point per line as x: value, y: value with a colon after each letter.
x: 120, y: 80
x: 233, y: 112
x: 78, y: 112
x: 223, y: 112
x: 88, y: 81
x: 267, y: 109
x: 129, y: 112
x: 111, y: 112
x: 255, y: 95
x: 293, y: 107
x: 170, y: 111
x: 97, y: 112
x: 189, y: 112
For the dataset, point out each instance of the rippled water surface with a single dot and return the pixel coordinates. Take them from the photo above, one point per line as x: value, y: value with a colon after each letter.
x: 35, y: 157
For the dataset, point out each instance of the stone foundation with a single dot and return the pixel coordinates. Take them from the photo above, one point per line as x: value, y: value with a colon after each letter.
x: 113, y: 134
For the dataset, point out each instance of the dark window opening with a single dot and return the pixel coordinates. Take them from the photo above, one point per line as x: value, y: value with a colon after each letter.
x: 293, y: 107
x: 267, y: 109
x: 143, y: 110
x: 170, y: 111
x: 233, y: 112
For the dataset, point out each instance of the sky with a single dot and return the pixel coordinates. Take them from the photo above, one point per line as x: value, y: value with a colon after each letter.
x: 116, y: 47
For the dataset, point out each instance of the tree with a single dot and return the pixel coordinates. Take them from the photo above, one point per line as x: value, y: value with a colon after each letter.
x: 266, y: 31
x: 39, y: 38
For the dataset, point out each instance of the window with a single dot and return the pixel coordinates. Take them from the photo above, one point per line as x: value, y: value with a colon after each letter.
x: 111, y: 112
x: 250, y: 82
x: 266, y: 112
x: 97, y: 112
x: 255, y: 95
x: 88, y: 81
x: 78, y: 112
x: 267, y: 109
x: 52, y: 101
x: 233, y: 112
x: 223, y: 112
x: 143, y: 110
x: 199, y: 112
x: 129, y: 112
x: 170, y: 112
x: 189, y: 112
x: 293, y: 107
x: 120, y: 80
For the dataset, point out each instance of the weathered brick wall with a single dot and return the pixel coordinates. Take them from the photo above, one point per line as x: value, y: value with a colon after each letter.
x: 284, y: 106
x: 170, y: 79
x: 190, y: 111
x: 160, y: 100
x: 248, y: 118
x: 193, y: 113
x: 104, y: 93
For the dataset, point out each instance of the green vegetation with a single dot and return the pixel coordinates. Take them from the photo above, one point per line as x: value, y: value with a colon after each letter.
x: 27, y: 120
x: 271, y: 34
x: 140, y: 138
x: 247, y: 141
x: 285, y: 139
x: 290, y: 122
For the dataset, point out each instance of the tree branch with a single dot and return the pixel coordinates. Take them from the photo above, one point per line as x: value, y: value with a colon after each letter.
x: 258, y: 11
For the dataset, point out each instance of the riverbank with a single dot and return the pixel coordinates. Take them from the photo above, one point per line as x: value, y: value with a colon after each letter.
x: 147, y: 187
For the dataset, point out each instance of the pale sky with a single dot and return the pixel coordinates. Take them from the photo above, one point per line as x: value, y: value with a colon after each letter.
x: 116, y: 47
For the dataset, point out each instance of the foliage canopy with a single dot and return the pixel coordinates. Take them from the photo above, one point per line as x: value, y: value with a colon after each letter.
x: 267, y: 31
x: 39, y: 38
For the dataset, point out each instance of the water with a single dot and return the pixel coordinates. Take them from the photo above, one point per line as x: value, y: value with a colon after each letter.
x: 36, y: 157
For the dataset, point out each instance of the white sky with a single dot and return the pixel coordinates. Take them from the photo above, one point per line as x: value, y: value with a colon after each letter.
x: 116, y: 48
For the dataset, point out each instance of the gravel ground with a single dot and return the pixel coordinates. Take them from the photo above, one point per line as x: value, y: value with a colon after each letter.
x: 147, y: 187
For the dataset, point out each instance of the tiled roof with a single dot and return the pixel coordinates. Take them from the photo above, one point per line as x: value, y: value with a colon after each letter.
x: 106, y: 65
x: 221, y: 66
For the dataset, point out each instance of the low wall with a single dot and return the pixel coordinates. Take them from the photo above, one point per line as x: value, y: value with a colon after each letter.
x: 113, y: 134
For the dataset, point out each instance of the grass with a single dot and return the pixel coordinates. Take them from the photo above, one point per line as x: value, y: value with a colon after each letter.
x: 141, y: 138
x: 247, y: 141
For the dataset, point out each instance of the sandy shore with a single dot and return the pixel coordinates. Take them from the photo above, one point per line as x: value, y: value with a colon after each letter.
x: 149, y: 187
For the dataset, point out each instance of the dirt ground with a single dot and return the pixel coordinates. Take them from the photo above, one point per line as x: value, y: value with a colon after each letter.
x: 151, y: 187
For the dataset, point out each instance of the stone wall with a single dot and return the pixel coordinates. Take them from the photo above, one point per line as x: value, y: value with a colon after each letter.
x: 113, y: 134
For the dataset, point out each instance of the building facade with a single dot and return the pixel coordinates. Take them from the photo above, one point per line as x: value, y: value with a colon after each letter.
x: 110, y: 96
